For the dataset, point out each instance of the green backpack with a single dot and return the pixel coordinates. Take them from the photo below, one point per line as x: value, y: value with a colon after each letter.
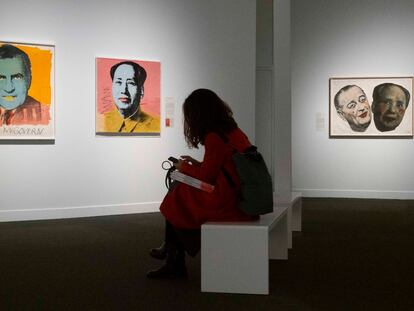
x: 256, y: 192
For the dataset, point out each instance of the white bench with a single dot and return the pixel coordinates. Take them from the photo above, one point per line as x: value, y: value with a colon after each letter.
x: 235, y: 255
x: 294, y: 201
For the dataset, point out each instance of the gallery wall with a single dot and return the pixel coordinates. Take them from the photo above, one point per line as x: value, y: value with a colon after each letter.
x: 199, y: 44
x: 273, y: 92
x: 282, y: 99
x: 334, y: 38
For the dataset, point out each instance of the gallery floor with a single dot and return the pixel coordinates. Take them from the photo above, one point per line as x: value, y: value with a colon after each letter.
x: 351, y: 255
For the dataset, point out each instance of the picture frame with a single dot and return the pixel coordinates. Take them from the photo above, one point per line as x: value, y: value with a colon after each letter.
x: 370, y: 107
x: 128, y: 99
x: 27, y: 101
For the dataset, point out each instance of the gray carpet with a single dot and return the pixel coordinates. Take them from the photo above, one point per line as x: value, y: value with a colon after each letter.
x: 351, y: 255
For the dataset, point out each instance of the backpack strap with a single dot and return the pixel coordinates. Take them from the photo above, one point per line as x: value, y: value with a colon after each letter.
x: 229, y: 179
x: 252, y: 150
x: 226, y: 173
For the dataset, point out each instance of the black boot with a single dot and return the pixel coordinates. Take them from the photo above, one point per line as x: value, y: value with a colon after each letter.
x: 159, y: 252
x: 174, y: 268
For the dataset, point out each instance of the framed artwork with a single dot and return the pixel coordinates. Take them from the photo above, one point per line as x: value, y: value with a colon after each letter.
x: 371, y: 107
x: 127, y: 97
x: 26, y: 91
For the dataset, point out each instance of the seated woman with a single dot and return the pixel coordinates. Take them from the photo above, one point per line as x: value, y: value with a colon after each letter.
x: 208, y: 121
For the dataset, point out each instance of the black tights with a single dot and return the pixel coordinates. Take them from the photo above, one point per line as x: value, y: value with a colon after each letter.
x: 188, y: 240
x: 171, y: 237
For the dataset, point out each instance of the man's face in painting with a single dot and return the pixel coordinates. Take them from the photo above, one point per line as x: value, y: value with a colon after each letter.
x: 389, y: 108
x: 13, y: 83
x: 125, y: 91
x: 353, y: 107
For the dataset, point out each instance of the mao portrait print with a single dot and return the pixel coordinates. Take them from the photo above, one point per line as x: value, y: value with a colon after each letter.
x: 370, y: 107
x: 26, y: 91
x: 127, y: 97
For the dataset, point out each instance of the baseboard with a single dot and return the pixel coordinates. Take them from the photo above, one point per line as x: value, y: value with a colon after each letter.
x: 79, y: 211
x: 360, y: 194
x: 290, y: 198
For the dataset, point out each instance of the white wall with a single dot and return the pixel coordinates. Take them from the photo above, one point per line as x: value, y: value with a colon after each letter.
x: 273, y: 91
x: 282, y: 98
x: 199, y: 43
x: 352, y: 38
x: 265, y: 118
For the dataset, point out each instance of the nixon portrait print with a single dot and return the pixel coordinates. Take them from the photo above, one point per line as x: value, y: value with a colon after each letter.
x: 26, y: 91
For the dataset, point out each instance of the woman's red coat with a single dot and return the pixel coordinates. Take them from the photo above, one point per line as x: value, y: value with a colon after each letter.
x: 188, y: 207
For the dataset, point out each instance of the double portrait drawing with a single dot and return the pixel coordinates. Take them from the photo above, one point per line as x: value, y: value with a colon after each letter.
x: 371, y: 107
x: 26, y: 91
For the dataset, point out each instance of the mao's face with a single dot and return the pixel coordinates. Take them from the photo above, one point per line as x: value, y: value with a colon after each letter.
x: 125, y: 91
x: 390, y: 108
x: 13, y: 83
x: 354, y: 108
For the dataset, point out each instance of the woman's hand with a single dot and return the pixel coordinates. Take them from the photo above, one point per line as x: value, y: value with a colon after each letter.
x: 178, y: 165
x: 190, y: 160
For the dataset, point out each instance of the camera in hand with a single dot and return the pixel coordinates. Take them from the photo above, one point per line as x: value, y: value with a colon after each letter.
x: 173, y: 160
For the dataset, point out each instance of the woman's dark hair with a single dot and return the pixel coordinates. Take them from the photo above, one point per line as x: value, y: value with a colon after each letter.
x: 205, y: 112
